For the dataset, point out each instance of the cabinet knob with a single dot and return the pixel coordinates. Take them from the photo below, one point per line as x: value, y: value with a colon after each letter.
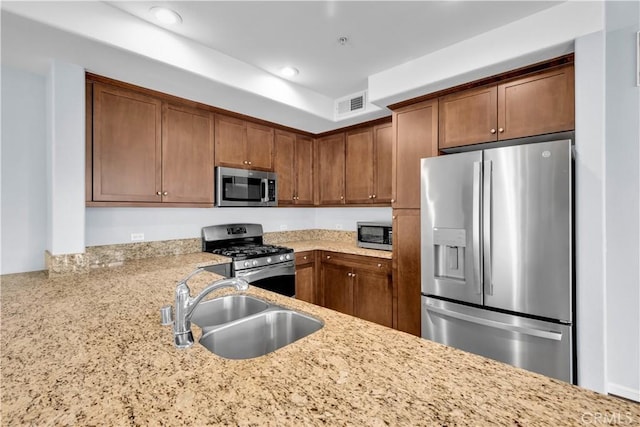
x: 341, y: 197
x: 353, y: 274
x: 370, y: 196
x: 164, y: 193
x: 328, y: 256
x: 304, y: 257
x: 379, y: 265
x: 501, y: 130
x: 159, y: 193
x: 492, y: 131
x: 248, y: 163
x: 244, y: 162
x: 393, y: 200
x: 373, y: 197
x: 394, y: 217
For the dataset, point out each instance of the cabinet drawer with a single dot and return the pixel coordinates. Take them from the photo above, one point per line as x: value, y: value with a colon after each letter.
x: 380, y: 265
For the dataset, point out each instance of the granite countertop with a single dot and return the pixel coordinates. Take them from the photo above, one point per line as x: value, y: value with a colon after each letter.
x: 335, y: 246
x: 90, y: 350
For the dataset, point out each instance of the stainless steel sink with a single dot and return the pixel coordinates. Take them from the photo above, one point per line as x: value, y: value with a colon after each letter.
x: 226, y: 309
x: 259, y: 334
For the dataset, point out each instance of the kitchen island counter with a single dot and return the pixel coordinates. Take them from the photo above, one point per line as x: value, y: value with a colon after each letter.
x: 90, y: 350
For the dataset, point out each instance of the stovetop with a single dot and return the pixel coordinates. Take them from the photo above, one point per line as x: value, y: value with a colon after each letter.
x: 250, y: 251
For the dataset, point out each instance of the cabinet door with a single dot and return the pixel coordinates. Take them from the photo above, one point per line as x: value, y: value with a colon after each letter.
x: 468, y: 117
x: 538, y: 104
x: 187, y: 155
x: 337, y: 287
x: 127, y: 162
x: 373, y: 294
x: 383, y: 163
x: 330, y: 161
x: 359, y: 166
x: 230, y: 142
x: 305, y: 277
x: 406, y: 268
x: 304, y: 170
x: 259, y: 147
x: 416, y: 136
x: 284, y: 162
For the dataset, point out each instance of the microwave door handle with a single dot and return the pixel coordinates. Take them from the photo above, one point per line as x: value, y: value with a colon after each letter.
x: 263, y: 188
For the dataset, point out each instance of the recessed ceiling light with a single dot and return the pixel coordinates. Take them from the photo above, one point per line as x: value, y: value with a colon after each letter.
x: 288, y: 71
x: 166, y: 16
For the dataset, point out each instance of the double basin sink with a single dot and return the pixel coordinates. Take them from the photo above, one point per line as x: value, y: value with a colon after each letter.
x: 240, y: 326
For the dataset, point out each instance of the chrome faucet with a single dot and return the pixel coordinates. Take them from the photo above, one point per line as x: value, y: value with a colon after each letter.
x: 184, y: 305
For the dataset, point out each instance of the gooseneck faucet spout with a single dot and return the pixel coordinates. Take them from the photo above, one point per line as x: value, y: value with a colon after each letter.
x: 185, y: 305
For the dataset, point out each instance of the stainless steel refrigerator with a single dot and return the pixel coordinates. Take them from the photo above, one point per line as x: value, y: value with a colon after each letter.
x: 497, y: 254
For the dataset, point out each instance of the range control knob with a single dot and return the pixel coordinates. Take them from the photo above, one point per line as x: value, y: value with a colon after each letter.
x: 287, y: 256
x: 269, y: 260
x: 281, y: 258
x: 255, y: 262
x: 247, y: 263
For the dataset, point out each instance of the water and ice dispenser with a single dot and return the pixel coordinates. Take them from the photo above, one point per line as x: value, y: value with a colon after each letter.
x: 449, y: 246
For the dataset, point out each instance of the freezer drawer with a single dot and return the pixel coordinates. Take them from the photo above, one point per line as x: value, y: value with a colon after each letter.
x: 538, y: 346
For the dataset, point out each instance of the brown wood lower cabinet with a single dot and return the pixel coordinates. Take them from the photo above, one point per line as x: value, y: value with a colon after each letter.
x: 357, y: 285
x: 406, y: 268
x: 306, y: 276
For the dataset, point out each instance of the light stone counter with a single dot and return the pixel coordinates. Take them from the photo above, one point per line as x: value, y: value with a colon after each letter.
x: 90, y: 350
x: 343, y: 247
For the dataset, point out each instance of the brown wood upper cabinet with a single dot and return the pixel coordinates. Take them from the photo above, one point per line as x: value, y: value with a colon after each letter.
x: 145, y: 150
x: 415, y: 130
x: 531, y: 105
x: 330, y: 159
x: 368, y: 165
x: 187, y: 155
x: 293, y: 160
x: 243, y: 144
x: 357, y: 285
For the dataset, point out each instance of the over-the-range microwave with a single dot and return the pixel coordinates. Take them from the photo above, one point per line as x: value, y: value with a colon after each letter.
x: 243, y: 187
x: 375, y: 235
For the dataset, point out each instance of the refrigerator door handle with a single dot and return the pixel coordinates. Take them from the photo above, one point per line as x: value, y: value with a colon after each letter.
x: 477, y: 202
x: 486, y: 217
x: 550, y: 335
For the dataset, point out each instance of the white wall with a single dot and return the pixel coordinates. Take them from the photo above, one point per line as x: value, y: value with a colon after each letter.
x: 622, y: 199
x: 589, y: 211
x: 115, y: 225
x: 65, y: 158
x: 23, y: 172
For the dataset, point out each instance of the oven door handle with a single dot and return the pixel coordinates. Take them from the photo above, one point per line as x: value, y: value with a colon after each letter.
x: 265, y: 273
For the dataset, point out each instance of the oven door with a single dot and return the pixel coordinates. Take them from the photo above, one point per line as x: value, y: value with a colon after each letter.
x: 280, y: 278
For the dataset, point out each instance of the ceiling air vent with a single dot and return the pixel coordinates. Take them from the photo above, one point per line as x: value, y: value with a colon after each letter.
x: 351, y: 104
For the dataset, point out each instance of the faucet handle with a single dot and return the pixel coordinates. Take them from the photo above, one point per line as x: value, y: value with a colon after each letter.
x: 166, y: 317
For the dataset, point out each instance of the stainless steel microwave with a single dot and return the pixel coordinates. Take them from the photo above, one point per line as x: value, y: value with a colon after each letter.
x: 242, y: 187
x: 375, y: 235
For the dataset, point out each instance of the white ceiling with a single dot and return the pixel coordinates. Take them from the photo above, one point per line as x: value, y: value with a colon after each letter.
x: 228, y: 54
x: 304, y: 34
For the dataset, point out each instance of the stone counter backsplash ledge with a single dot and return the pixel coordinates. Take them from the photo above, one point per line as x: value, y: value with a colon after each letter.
x: 115, y: 255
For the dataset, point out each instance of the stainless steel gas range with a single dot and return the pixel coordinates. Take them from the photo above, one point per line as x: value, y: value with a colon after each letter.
x: 266, y: 266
